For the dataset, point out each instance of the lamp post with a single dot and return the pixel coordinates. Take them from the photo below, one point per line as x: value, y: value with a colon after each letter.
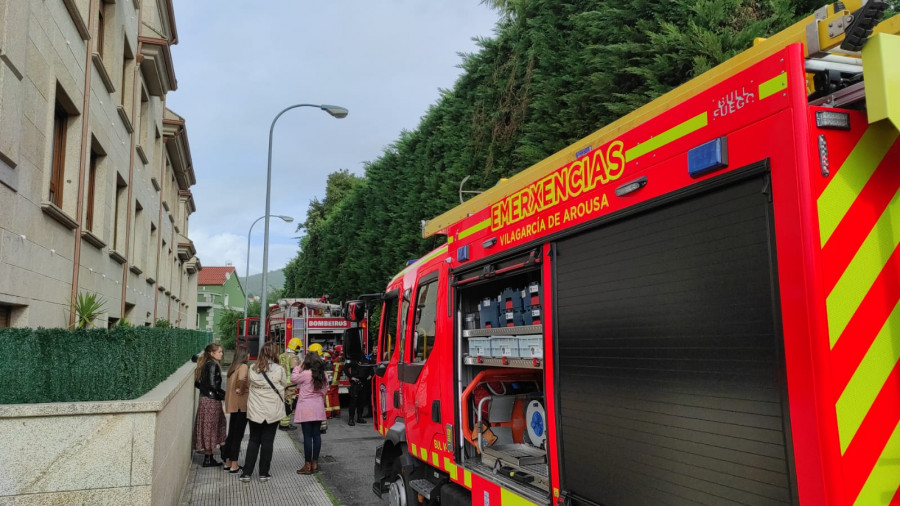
x: 286, y: 219
x: 337, y: 112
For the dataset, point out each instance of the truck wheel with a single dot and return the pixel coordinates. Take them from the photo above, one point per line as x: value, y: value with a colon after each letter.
x: 397, y: 490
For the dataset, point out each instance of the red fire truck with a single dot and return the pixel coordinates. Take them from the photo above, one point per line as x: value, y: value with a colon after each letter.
x: 694, y: 304
x: 312, y: 320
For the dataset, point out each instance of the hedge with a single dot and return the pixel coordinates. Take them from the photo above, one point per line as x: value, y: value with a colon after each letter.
x: 58, y: 365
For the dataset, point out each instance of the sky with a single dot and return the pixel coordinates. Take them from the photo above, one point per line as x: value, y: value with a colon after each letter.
x: 239, y: 63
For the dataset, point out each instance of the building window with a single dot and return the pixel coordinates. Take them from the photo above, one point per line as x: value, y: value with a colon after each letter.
x: 5, y: 317
x: 58, y: 160
x: 127, y: 77
x: 119, y: 220
x: 91, y: 191
x: 138, y: 253
x: 225, y: 304
x: 101, y: 30
x: 154, y: 251
x: 143, y: 123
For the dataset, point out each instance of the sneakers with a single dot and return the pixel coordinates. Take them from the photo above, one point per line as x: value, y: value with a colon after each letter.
x: 265, y: 477
x: 245, y: 478
x: 235, y: 471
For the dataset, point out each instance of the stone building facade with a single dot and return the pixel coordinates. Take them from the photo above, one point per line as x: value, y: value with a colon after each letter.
x: 95, y: 171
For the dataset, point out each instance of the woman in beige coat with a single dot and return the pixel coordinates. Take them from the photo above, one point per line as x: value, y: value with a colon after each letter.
x: 265, y: 408
x: 237, y: 389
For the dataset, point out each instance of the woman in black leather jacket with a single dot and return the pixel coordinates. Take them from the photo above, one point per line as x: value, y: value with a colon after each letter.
x: 209, y: 427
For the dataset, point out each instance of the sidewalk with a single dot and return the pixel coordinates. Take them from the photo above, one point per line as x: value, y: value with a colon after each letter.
x: 213, y: 487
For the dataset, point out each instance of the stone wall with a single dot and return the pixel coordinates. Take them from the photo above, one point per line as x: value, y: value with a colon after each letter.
x: 110, y: 452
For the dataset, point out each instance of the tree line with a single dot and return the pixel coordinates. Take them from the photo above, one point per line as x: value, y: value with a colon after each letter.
x: 554, y: 72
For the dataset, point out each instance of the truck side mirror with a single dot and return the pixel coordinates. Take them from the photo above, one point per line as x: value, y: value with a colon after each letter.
x: 381, y: 369
x: 353, y: 311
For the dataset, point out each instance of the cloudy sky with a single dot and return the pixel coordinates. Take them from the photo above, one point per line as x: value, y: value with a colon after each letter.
x: 239, y: 63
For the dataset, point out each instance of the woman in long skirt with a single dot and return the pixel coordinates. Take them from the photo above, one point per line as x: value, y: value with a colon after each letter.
x: 209, y: 427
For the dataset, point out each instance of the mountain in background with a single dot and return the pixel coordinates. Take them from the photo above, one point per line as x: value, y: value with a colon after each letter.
x: 254, y: 282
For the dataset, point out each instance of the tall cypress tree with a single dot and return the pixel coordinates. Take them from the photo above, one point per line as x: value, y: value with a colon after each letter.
x: 554, y: 72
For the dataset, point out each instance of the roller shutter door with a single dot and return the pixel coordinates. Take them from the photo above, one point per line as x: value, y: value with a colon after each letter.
x: 671, y: 380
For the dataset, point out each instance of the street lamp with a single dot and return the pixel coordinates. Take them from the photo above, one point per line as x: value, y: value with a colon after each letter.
x: 337, y: 112
x: 286, y: 219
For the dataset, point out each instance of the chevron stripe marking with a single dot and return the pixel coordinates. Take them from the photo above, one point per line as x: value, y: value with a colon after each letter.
x: 862, y: 271
x: 870, y: 443
x: 870, y: 376
x: 852, y: 176
x: 873, y: 312
x: 862, y: 215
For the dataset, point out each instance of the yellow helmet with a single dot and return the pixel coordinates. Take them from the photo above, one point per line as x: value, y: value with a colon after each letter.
x: 316, y: 347
x: 295, y: 344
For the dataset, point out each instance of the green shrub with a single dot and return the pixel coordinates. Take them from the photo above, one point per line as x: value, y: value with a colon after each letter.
x: 88, y: 307
x: 58, y: 365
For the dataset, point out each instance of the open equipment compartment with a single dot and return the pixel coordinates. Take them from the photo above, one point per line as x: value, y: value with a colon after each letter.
x: 503, y: 419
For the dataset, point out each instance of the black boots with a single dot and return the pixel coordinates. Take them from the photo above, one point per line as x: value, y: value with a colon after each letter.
x: 351, y: 423
x: 210, y: 461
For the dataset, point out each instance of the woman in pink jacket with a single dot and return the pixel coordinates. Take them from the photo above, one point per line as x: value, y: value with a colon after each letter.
x: 311, y: 389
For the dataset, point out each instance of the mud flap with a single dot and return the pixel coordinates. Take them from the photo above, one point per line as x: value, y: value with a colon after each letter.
x: 379, y: 485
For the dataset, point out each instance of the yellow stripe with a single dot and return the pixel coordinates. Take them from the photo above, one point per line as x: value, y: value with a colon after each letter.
x: 868, y: 262
x: 869, y: 378
x: 424, y: 453
x: 508, y: 498
x: 451, y: 469
x: 884, y: 480
x: 434, y: 459
x: 673, y: 134
x: 842, y: 191
x: 439, y: 251
x: 415, y: 449
x: 467, y: 479
x: 475, y: 228
x: 773, y: 86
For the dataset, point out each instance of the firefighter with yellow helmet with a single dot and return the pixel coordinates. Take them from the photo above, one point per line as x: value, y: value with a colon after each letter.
x: 289, y: 360
x: 316, y: 347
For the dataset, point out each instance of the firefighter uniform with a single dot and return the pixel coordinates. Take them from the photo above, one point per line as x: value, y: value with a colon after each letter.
x: 332, y: 398
x: 289, y: 361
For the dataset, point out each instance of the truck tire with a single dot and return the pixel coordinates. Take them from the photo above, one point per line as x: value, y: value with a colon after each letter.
x: 398, y: 488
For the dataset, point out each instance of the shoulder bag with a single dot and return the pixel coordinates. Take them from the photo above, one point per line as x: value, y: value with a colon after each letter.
x: 273, y: 387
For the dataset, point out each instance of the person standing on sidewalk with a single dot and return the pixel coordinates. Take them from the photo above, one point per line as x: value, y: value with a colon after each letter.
x: 289, y: 361
x: 265, y: 407
x: 360, y: 374
x: 237, y: 389
x: 209, y: 426
x: 312, y: 385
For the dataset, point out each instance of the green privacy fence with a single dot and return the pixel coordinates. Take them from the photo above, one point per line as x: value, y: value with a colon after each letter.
x: 58, y: 365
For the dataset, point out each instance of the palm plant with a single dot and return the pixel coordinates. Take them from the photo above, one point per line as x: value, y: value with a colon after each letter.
x: 88, y: 307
